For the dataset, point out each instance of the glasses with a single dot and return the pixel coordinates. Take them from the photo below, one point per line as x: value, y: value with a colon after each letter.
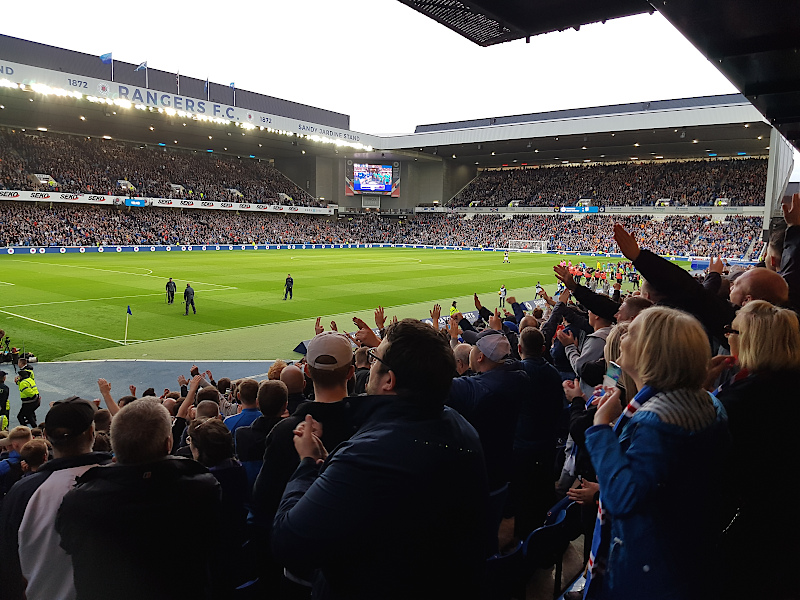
x: 373, y: 357
x: 728, y: 330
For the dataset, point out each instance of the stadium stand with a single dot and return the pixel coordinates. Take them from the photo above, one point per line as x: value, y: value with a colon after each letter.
x: 84, y: 165
x: 31, y: 224
x: 689, y: 183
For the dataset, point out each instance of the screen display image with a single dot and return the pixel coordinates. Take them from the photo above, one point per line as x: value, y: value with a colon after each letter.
x: 372, y: 178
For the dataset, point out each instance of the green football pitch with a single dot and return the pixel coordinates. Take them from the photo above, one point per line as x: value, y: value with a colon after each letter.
x: 73, y: 306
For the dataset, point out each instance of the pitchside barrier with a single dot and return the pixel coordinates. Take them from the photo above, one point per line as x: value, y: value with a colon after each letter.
x: 697, y: 260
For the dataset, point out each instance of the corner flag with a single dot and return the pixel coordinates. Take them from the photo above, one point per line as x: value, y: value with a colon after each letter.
x: 129, y: 310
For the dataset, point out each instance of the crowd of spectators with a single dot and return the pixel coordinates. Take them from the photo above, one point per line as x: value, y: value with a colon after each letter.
x: 466, y: 433
x: 689, y: 183
x: 96, y: 166
x: 34, y: 224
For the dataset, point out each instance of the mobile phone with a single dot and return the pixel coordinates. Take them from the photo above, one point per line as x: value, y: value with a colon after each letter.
x: 612, y: 375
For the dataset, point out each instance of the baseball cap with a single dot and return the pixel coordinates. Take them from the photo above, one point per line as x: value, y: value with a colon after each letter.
x: 493, y: 344
x: 3, y: 373
x: 68, y: 418
x: 329, y: 351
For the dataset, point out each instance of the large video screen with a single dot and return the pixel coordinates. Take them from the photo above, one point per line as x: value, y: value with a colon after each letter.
x: 372, y: 178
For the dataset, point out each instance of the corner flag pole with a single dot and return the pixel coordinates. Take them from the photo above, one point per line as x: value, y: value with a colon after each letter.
x: 127, y: 316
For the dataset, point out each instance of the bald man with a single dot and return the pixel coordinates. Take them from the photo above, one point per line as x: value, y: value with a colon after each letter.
x: 295, y: 382
x: 759, y: 284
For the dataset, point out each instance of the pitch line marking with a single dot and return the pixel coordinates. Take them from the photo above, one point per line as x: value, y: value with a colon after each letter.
x: 61, y: 327
x: 364, y: 260
x: 113, y: 271
x: 6, y: 283
x: 106, y: 298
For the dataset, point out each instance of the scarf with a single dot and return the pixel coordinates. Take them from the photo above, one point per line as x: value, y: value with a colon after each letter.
x: 601, y: 541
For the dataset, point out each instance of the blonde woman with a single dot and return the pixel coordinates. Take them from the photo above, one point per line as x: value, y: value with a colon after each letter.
x: 763, y: 406
x: 655, y: 466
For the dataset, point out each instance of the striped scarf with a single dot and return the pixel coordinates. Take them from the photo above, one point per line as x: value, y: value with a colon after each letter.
x: 601, y: 541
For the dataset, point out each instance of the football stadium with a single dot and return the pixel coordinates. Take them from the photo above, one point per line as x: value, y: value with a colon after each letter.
x: 567, y: 325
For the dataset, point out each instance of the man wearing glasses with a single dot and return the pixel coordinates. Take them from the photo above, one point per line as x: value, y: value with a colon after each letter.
x: 403, y: 500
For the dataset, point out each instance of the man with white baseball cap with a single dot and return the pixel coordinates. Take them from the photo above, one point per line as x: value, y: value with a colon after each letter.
x: 329, y: 365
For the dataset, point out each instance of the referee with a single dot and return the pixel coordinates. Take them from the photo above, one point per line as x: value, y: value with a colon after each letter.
x: 288, y: 286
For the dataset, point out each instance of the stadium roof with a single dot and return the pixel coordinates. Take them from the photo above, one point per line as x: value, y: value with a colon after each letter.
x: 89, y: 65
x: 753, y: 43
x: 689, y: 128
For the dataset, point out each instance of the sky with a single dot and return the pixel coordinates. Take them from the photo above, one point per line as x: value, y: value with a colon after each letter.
x: 387, y: 66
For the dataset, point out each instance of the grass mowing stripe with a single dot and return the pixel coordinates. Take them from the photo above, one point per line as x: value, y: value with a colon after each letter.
x: 59, y: 312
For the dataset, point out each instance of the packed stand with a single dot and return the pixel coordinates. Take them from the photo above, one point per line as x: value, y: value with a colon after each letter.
x: 690, y: 183
x: 33, y: 224
x: 95, y: 166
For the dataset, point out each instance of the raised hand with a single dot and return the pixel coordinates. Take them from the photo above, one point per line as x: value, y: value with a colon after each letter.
x: 715, y: 265
x: 453, y: 327
x: 333, y: 326
x: 195, y: 383
x: 495, y: 322
x: 380, y: 318
x: 626, y: 242
x: 478, y: 304
x: 435, y: 314
x: 105, y: 387
x: 365, y: 335
x: 563, y: 274
x: 318, y: 328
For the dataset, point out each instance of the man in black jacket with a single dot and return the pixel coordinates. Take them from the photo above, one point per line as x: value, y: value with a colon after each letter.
x: 171, y: 287
x: 128, y: 511
x: 404, y: 500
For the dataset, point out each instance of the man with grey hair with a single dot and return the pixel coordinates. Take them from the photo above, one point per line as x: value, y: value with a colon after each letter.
x: 127, y: 511
x: 461, y: 354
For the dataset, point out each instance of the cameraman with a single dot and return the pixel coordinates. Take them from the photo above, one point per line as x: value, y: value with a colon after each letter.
x: 28, y: 394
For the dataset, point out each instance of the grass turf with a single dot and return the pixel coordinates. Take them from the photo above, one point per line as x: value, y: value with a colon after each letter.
x: 73, y: 307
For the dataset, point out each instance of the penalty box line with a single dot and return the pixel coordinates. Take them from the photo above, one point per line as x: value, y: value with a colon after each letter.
x: 162, y: 295
x: 219, y: 285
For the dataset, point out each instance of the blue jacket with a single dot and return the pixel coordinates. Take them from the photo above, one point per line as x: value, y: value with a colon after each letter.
x: 657, y: 485
x: 491, y: 402
x: 397, y: 511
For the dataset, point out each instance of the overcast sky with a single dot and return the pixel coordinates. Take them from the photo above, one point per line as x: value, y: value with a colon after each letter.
x: 387, y: 66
